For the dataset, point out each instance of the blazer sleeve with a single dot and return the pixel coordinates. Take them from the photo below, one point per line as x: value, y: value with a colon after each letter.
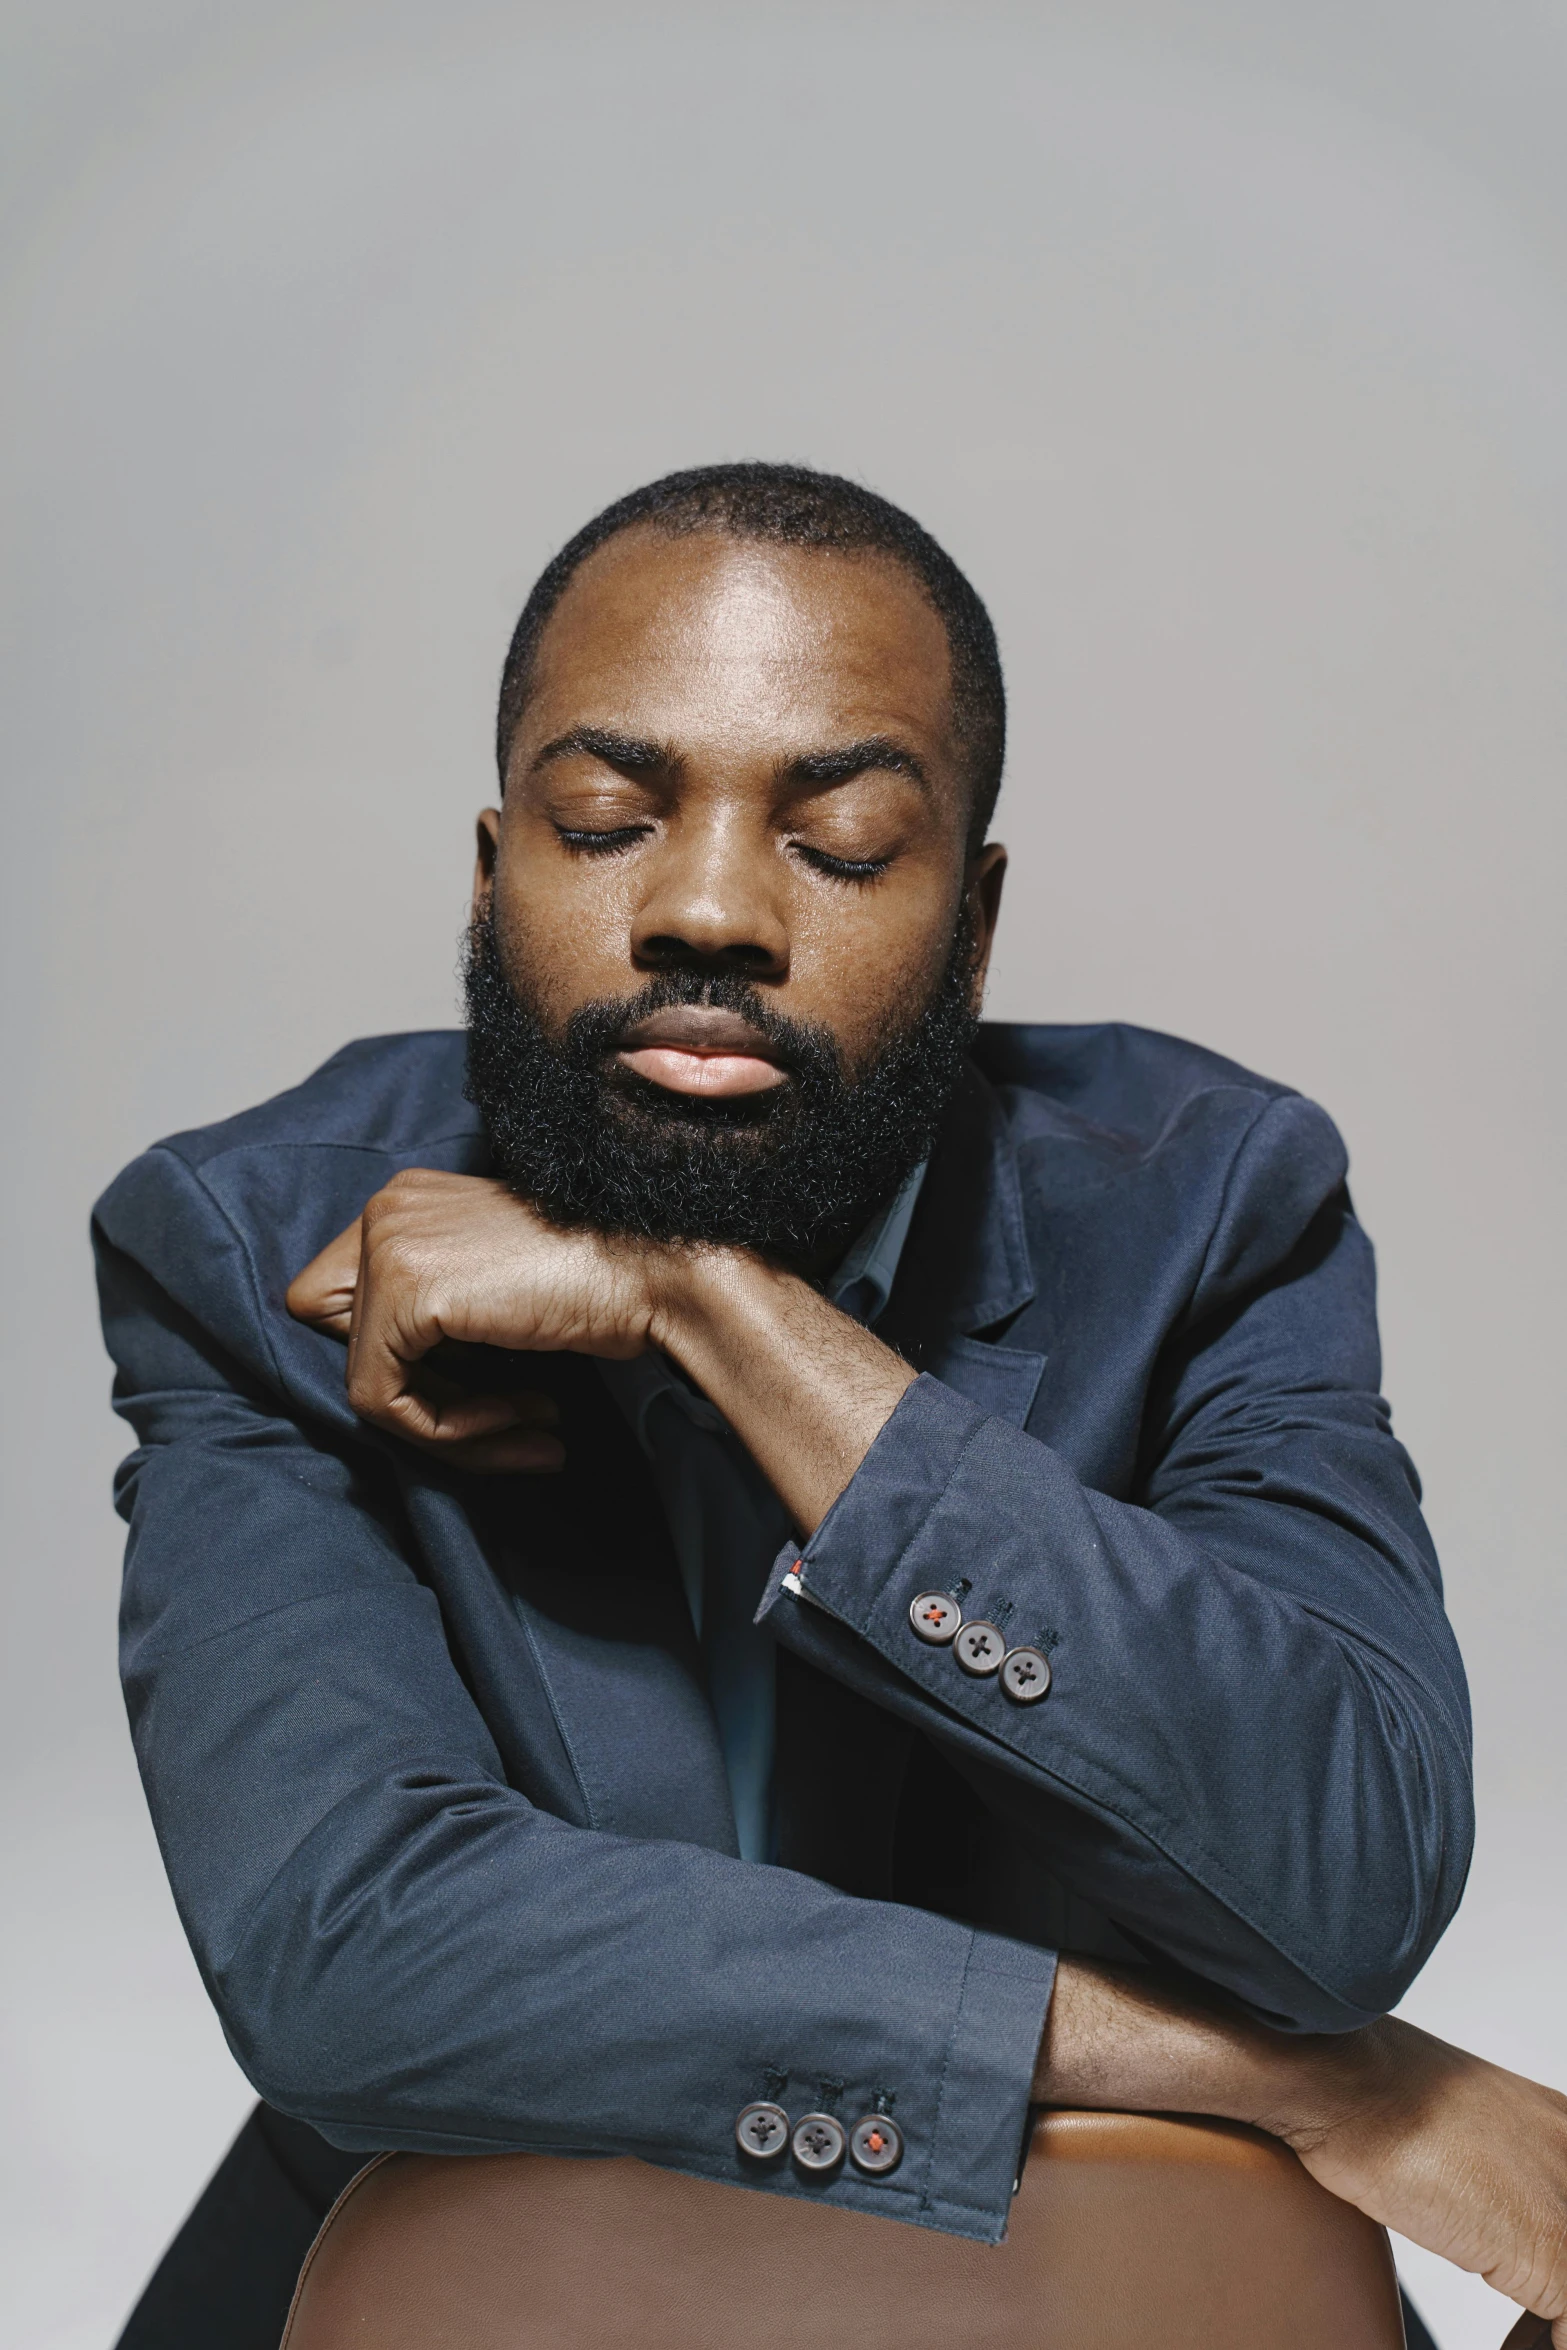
x: 1254, y: 1754
x: 405, y: 1952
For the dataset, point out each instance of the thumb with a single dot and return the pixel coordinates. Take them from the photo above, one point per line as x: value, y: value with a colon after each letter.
x: 323, y: 1294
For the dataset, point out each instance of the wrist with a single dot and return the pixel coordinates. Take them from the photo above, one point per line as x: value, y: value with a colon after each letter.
x: 1302, y: 2087
x: 804, y: 1388
x: 1385, y: 2070
x: 691, y: 1290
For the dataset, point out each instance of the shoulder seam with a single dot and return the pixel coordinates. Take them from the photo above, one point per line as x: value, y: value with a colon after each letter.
x: 1269, y: 1105
x: 198, y: 1178
x: 310, y: 1142
x: 1265, y: 1099
x: 1138, y: 1155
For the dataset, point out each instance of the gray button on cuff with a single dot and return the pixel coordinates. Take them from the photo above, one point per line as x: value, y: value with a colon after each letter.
x: 1025, y: 1675
x: 935, y: 1617
x: 818, y: 2142
x: 762, y: 2131
x: 875, y: 2145
x: 979, y: 1649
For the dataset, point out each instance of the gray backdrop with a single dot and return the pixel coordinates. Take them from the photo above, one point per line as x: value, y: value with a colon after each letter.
x: 1224, y: 344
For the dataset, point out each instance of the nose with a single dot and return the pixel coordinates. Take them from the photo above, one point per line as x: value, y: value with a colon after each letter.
x: 712, y: 898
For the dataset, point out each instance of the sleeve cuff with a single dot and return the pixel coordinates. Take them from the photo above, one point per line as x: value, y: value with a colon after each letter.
x: 983, y: 2101
x: 892, y: 1504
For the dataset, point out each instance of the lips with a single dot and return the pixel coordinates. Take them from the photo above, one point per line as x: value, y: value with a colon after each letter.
x: 697, y: 1049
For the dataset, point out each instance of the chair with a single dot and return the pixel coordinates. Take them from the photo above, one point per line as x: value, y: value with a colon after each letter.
x: 1129, y: 2232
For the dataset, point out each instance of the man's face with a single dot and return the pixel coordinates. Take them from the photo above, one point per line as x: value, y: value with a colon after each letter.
x: 730, y: 863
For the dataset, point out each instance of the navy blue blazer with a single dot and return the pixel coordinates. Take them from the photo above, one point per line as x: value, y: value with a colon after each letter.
x: 430, y: 1757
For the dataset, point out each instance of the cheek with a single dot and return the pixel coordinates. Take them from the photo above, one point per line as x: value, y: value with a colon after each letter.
x: 869, y: 963
x: 563, y: 938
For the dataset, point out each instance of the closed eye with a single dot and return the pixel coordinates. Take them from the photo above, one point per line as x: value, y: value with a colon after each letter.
x: 841, y: 868
x: 601, y: 844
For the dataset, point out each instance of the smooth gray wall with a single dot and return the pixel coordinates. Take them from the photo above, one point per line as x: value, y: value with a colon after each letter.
x: 1225, y: 345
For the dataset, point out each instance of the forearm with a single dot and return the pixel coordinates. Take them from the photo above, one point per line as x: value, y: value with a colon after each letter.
x: 806, y: 1390
x: 1120, y: 2038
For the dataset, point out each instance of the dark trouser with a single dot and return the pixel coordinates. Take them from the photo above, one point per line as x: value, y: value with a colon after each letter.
x: 227, y: 2279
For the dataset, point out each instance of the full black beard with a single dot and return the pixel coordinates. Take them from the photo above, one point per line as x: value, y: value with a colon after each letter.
x: 795, y: 1171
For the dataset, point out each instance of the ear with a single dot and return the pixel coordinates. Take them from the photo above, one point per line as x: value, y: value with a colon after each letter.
x: 489, y: 841
x: 986, y: 873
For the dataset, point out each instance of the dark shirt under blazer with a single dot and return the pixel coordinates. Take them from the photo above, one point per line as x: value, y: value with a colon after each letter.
x: 430, y: 1757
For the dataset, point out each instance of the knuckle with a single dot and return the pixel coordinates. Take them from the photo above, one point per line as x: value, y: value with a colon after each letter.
x: 397, y: 1195
x: 389, y: 1245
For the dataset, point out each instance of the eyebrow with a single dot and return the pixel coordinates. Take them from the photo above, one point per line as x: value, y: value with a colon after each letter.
x: 878, y: 752
x: 820, y: 769
x: 602, y: 742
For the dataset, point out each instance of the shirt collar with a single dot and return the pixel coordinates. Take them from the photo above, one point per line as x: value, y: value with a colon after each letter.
x: 863, y: 1282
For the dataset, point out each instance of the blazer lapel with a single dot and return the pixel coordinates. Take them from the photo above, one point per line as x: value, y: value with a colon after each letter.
x: 563, y: 1601
x: 620, y: 1664
x: 1002, y: 1380
x: 966, y: 1268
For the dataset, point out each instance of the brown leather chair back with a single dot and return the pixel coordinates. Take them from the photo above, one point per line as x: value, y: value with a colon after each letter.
x: 1127, y: 2232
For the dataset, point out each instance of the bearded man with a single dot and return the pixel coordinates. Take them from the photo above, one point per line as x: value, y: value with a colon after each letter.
x: 854, y: 1574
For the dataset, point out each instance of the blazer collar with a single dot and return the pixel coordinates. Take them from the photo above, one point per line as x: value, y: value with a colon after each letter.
x: 966, y: 1265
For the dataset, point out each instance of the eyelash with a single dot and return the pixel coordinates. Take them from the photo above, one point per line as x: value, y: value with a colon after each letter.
x: 601, y: 844
x: 857, y: 869
x: 608, y: 844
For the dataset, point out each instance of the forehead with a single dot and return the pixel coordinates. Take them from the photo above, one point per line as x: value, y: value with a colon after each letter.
x: 682, y: 636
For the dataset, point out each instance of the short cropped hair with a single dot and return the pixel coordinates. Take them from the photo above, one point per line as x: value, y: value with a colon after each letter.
x: 792, y: 506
